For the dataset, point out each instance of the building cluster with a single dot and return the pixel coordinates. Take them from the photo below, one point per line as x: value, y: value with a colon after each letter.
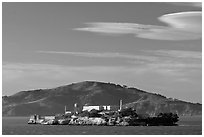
x: 103, y: 115
x: 104, y: 109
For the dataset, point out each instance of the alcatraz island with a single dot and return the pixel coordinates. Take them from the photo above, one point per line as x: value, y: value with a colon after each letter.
x: 105, y: 116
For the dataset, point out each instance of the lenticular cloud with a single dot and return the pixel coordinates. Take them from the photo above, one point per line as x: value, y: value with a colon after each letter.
x: 180, y: 26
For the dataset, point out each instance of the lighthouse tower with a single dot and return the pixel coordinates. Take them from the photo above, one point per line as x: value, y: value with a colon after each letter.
x: 121, y: 104
x: 65, y: 109
x: 76, y: 108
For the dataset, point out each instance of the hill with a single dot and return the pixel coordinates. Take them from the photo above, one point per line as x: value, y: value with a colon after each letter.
x: 52, y: 101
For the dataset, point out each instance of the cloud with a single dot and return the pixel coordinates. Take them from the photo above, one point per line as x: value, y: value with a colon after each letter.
x: 194, y: 4
x: 177, y: 54
x: 102, y: 55
x: 176, y: 60
x: 181, y: 26
x: 163, y: 62
x: 148, y: 55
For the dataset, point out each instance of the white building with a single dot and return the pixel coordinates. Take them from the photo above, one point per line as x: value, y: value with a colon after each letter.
x: 89, y: 108
x: 68, y: 112
x: 102, y: 107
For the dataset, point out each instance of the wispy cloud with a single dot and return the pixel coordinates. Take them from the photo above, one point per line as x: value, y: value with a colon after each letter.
x: 102, y: 55
x: 181, y: 26
x: 176, y: 61
x: 168, y: 62
x: 151, y: 55
x: 177, y: 53
x: 194, y: 4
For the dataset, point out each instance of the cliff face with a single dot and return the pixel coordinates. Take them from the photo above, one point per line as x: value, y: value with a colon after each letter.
x: 52, y: 101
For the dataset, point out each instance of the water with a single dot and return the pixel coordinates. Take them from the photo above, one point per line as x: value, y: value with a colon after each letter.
x: 19, y: 126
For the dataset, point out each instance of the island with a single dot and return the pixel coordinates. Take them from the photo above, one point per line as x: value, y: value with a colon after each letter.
x: 105, y: 117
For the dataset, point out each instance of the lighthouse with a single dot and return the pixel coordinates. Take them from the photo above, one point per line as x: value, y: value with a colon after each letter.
x: 65, y: 109
x: 76, y: 108
x: 121, y: 104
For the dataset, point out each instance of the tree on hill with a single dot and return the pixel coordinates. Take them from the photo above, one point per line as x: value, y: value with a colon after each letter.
x: 84, y: 114
x: 94, y: 113
x: 172, y: 116
x: 128, y: 112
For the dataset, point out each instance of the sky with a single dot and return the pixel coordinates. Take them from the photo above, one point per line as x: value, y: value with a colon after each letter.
x: 155, y: 47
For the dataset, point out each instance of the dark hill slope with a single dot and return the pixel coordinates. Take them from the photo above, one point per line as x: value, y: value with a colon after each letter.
x: 52, y: 101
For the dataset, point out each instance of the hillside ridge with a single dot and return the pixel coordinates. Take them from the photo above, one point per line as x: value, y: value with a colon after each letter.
x: 52, y: 101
